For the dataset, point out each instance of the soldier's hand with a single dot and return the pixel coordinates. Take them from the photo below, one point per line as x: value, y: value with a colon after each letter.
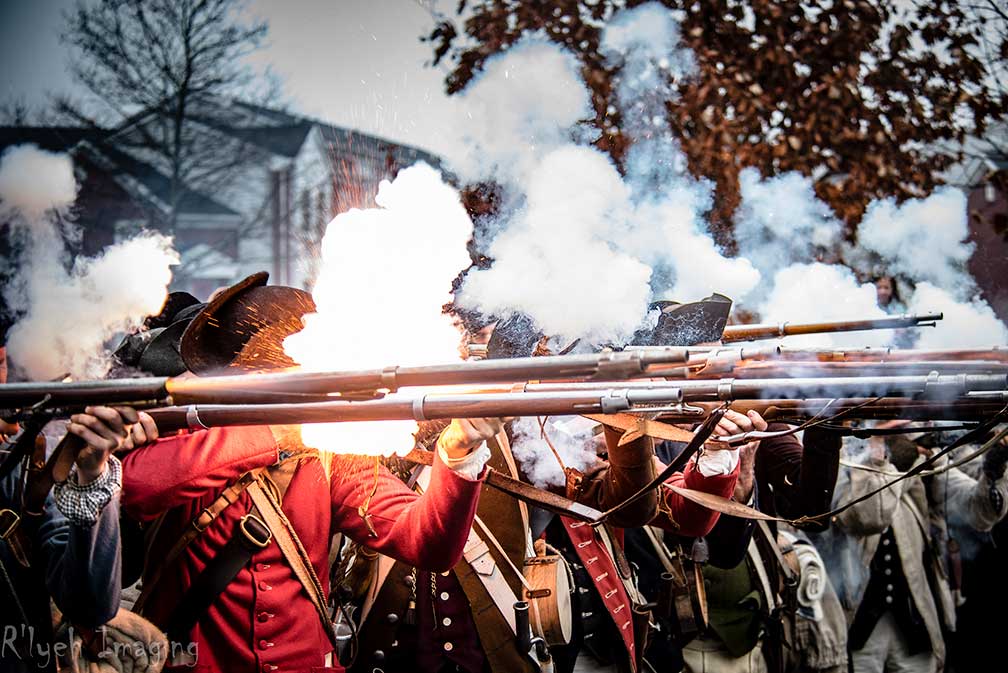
x: 104, y: 429
x: 465, y: 435
x: 144, y: 431
x: 735, y: 423
x: 8, y: 429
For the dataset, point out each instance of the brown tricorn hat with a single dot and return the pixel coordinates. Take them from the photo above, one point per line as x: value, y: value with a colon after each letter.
x: 243, y: 327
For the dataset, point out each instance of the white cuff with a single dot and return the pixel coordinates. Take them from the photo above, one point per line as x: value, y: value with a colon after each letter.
x: 717, y: 462
x: 470, y: 465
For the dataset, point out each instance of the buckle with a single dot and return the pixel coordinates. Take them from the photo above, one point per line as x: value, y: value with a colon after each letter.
x: 205, y: 518
x: 255, y: 530
x: 9, y: 520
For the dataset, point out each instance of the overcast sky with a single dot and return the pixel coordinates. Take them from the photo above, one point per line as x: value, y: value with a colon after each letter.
x: 356, y: 63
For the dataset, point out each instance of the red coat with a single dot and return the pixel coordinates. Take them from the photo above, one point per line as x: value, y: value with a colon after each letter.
x: 685, y: 517
x: 263, y: 621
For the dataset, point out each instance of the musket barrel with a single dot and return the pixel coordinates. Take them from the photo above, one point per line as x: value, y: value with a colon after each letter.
x: 734, y: 333
x: 297, y: 386
x: 416, y: 407
x: 727, y: 389
x: 604, y: 366
x: 76, y: 393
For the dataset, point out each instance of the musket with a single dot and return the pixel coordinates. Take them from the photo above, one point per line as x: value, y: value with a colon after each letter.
x: 884, y: 408
x: 867, y: 354
x: 669, y: 399
x: 298, y: 386
x: 733, y: 333
x: 933, y: 386
x: 774, y: 361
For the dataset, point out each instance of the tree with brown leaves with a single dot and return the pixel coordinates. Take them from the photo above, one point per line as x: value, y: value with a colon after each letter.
x: 854, y: 93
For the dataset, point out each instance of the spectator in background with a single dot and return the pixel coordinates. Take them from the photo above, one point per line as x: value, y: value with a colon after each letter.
x: 887, y: 554
x: 888, y: 295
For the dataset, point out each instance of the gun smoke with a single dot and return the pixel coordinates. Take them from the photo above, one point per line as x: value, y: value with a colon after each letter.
x: 70, y: 310
x: 571, y: 436
x: 580, y: 249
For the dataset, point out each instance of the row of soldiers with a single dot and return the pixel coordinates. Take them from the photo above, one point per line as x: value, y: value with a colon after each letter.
x: 254, y: 552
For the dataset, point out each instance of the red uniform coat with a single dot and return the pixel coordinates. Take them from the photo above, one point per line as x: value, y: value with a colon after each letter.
x: 263, y: 620
x: 685, y: 517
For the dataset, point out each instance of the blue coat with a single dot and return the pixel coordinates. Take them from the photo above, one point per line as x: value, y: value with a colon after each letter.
x: 77, y: 566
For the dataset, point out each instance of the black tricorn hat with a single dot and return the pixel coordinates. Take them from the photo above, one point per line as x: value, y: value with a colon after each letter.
x: 687, y: 324
x: 243, y: 327
x: 155, y: 348
x: 513, y: 337
x: 177, y: 306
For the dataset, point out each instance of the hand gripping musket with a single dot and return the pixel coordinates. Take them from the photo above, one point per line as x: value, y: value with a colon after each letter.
x: 733, y: 333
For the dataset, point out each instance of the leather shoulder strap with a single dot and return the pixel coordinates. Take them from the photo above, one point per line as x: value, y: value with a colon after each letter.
x: 153, y: 575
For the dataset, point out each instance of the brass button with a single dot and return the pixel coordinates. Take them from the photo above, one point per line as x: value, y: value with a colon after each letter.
x: 446, y: 621
x: 392, y: 618
x: 444, y: 595
x: 448, y: 647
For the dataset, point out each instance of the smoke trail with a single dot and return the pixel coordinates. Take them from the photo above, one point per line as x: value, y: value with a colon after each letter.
x: 644, y: 46
x: 67, y: 315
x: 386, y: 272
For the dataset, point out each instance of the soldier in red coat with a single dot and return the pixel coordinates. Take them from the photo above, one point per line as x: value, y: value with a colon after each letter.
x: 458, y: 622
x: 247, y: 590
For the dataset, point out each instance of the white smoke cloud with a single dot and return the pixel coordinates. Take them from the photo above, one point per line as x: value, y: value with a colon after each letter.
x: 781, y: 221
x: 571, y: 436
x: 526, y: 103
x: 580, y: 249
x: 670, y: 235
x: 71, y: 315
x: 558, y: 259
x: 966, y: 324
x: 34, y: 181
x: 67, y: 316
x: 922, y: 239
x: 821, y: 292
x: 386, y: 273
x: 645, y: 45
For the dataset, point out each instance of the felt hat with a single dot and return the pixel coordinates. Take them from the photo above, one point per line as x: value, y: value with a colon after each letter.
x: 243, y: 327
x: 687, y: 324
